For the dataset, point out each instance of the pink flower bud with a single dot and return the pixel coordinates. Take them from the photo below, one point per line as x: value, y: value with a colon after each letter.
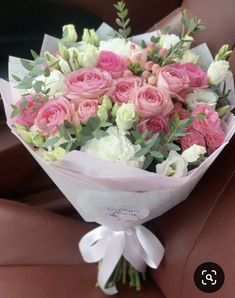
x: 148, y: 65
x: 145, y: 74
x: 126, y: 60
x: 155, y: 68
x: 127, y: 74
x: 151, y: 45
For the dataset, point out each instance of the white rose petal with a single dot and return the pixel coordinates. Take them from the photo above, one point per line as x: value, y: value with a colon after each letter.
x: 125, y: 116
x: 201, y: 96
x: 193, y: 153
x: 174, y: 166
x: 118, y: 46
x: 168, y: 41
x: 115, y: 147
x: 217, y: 71
x: 189, y: 56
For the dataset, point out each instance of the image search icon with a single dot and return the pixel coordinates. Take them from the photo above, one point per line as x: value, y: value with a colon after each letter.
x: 209, y: 277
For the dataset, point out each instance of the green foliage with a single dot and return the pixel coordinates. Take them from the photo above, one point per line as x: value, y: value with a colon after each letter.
x: 122, y: 20
x: 157, y: 147
x: 190, y: 25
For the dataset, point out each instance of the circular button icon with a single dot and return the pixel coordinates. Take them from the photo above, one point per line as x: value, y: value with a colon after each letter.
x: 209, y: 277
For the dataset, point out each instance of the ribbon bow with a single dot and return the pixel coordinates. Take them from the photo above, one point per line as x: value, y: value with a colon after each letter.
x: 138, y: 245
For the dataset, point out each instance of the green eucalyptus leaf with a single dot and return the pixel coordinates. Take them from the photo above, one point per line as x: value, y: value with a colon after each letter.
x: 27, y: 64
x: 37, y: 86
x: 34, y: 54
x: 147, y: 162
x: 17, y: 79
x: 50, y: 142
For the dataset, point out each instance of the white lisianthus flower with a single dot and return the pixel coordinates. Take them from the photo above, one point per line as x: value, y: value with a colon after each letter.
x: 85, y: 55
x: 118, y: 46
x: 70, y: 33
x: 125, y: 116
x: 115, y: 147
x: 189, y: 56
x: 217, y: 71
x: 90, y: 36
x: 193, y: 153
x: 168, y: 41
x: 187, y: 41
x: 174, y: 166
x: 201, y: 96
x: 55, y: 82
x: 88, y: 55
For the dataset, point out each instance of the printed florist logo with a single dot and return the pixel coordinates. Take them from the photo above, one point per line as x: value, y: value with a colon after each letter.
x: 125, y: 214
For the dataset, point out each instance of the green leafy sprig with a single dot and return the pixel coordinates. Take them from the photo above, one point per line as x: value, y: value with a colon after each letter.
x: 158, y: 146
x: 122, y: 20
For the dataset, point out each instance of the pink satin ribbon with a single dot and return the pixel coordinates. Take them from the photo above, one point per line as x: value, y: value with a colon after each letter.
x: 138, y: 245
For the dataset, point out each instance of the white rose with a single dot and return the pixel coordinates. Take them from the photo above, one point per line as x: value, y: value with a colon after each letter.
x: 85, y: 55
x: 70, y: 33
x: 115, y: 147
x: 119, y: 46
x: 217, y: 71
x: 55, y: 82
x: 168, y: 41
x: 193, y: 153
x: 201, y: 96
x: 173, y: 166
x: 125, y: 116
x: 189, y: 56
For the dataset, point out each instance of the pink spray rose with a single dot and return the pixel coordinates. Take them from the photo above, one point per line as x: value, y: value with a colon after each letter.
x: 152, y: 101
x: 208, y: 123
x: 154, y: 124
x: 197, y: 77
x: 173, y: 79
x: 112, y: 63
x: 215, y: 140
x: 192, y: 137
x: 53, y: 113
x: 29, y: 112
x: 88, y: 83
x: 87, y: 109
x: 139, y: 57
x: 123, y: 89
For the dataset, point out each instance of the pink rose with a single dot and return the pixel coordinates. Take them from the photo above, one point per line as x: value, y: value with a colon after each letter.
x: 208, y: 122
x: 154, y: 124
x: 192, y: 137
x: 197, y: 77
x: 111, y: 62
x: 87, y: 109
x: 88, y: 83
x: 31, y: 106
x: 123, y: 89
x: 53, y: 113
x: 152, y: 101
x: 214, y: 140
x: 178, y: 108
x: 173, y: 78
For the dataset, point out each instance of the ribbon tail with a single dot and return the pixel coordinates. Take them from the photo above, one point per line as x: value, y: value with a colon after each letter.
x: 152, y: 247
x: 113, y: 253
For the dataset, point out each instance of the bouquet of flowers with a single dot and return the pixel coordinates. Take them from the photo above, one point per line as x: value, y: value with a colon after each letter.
x: 125, y: 129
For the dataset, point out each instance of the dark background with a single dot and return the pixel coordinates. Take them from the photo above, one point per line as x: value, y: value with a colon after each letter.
x: 23, y: 24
